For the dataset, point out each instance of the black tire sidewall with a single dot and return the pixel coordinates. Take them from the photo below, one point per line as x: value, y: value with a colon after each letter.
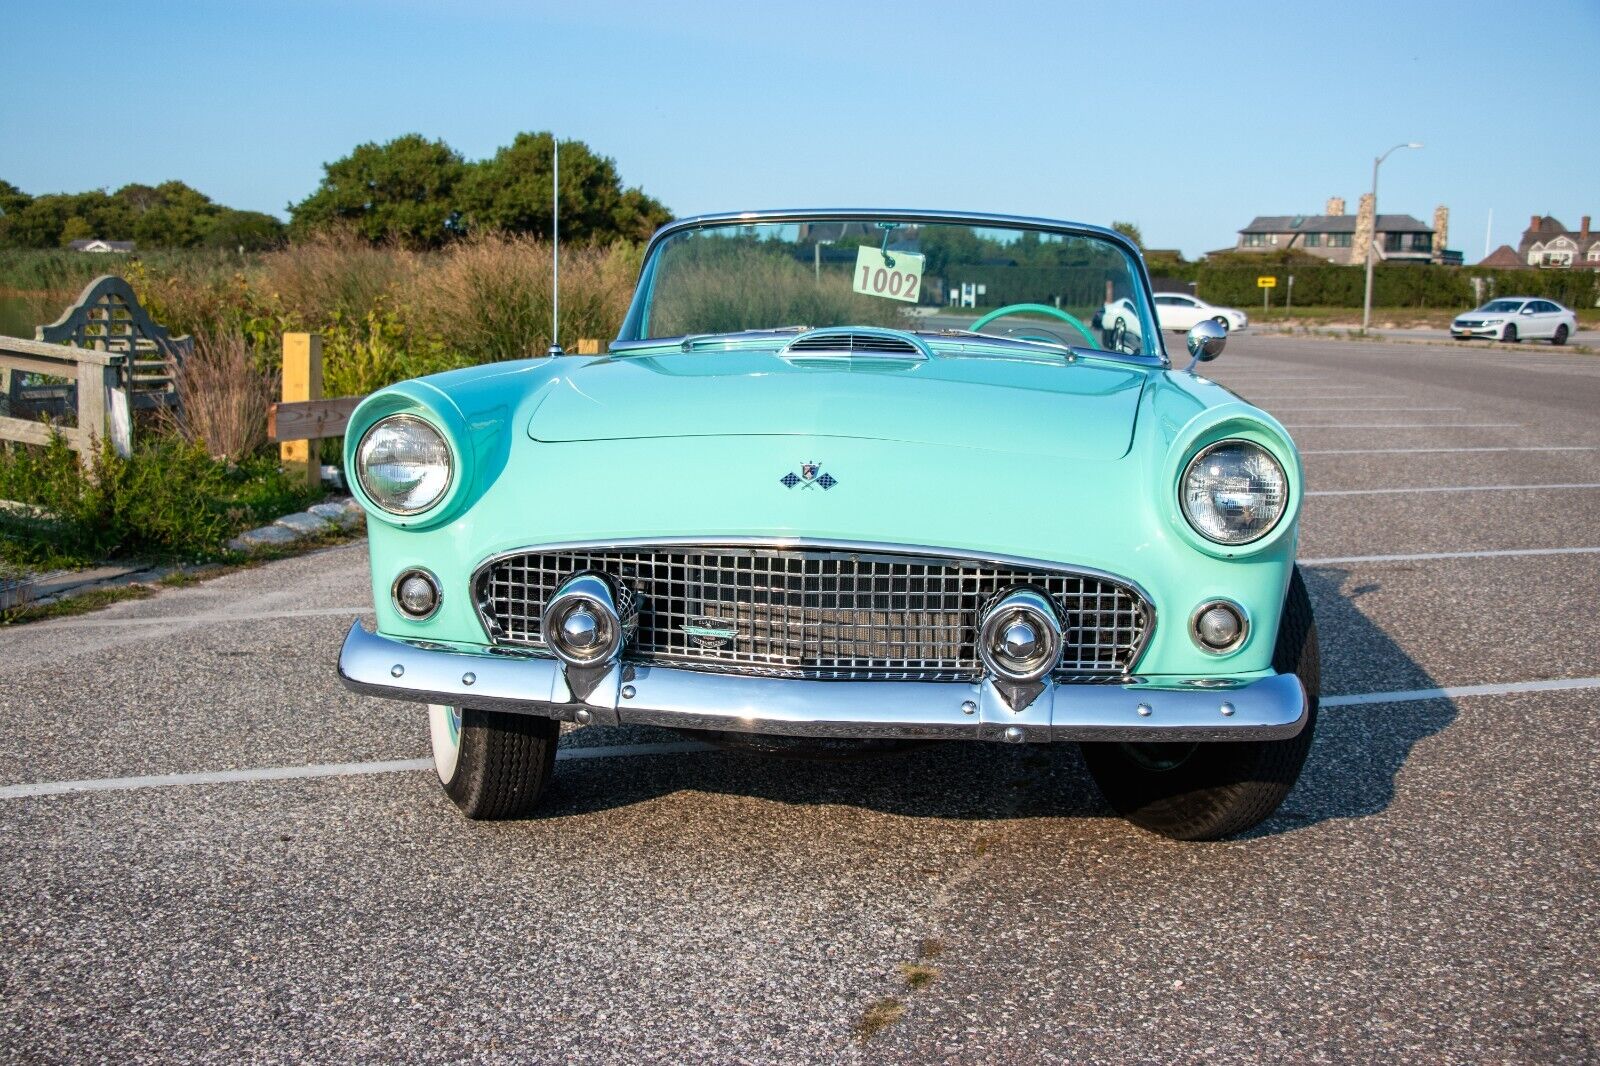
x: 1222, y: 788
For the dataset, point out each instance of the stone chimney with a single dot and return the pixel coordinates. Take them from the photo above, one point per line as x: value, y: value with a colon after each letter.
x: 1441, y: 232
x: 1365, y: 221
x: 1335, y: 206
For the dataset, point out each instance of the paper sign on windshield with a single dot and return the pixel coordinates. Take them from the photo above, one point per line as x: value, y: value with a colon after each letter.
x: 896, y: 276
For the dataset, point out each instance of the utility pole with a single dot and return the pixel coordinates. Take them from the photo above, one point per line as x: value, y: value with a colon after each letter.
x: 1372, y: 239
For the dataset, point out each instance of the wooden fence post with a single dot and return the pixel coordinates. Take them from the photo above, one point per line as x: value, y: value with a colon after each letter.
x: 302, y: 380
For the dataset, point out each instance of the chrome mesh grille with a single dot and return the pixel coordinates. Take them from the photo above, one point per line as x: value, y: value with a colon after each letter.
x: 825, y: 614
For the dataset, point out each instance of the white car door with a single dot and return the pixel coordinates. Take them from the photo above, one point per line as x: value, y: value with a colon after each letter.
x: 1549, y: 316
x: 1176, y: 312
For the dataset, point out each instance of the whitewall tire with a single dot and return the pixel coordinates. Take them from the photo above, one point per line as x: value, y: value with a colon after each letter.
x: 444, y: 729
x: 492, y: 764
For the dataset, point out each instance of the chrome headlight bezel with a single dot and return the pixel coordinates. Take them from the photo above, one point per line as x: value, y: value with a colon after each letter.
x: 1256, y: 536
x: 378, y: 499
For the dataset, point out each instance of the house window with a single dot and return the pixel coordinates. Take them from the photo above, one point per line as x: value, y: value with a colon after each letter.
x: 1594, y: 254
x: 1556, y: 259
x: 1393, y: 242
x: 1338, y: 240
x: 1255, y: 240
x: 1422, y: 242
x: 1313, y: 240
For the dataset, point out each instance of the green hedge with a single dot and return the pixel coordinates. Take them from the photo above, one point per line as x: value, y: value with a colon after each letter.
x: 1393, y: 285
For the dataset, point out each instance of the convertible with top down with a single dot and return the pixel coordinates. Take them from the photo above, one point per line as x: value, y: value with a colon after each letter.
x: 851, y: 476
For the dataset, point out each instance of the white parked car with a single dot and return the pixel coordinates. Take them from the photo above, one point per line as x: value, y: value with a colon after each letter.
x: 1175, y: 310
x: 1515, y: 318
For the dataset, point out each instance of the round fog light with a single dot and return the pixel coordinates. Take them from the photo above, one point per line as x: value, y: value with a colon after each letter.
x: 1019, y: 639
x: 1218, y: 626
x: 416, y: 594
x: 582, y: 623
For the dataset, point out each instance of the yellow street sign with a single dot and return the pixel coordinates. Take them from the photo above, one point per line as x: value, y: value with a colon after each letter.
x: 1267, y: 282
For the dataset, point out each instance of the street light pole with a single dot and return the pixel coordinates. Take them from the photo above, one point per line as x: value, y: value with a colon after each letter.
x: 1372, y: 238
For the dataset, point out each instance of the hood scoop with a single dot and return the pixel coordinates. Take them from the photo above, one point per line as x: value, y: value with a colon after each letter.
x: 856, y: 343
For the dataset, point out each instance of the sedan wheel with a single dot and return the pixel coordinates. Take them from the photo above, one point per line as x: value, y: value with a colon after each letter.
x: 1560, y: 335
x: 491, y: 764
x: 1216, y: 789
x: 1510, y: 335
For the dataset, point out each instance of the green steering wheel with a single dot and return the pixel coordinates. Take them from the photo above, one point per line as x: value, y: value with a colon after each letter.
x: 1011, y: 309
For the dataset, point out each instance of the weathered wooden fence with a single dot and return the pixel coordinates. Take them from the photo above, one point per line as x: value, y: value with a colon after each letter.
x: 100, y: 361
x: 304, y: 419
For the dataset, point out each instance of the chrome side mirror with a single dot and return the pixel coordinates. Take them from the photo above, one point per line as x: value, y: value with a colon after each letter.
x: 1206, y: 340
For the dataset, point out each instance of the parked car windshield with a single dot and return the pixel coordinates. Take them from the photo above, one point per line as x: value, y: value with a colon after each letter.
x: 1503, y: 307
x: 1000, y: 280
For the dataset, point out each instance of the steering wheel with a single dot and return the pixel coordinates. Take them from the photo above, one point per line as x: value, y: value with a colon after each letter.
x: 1011, y: 309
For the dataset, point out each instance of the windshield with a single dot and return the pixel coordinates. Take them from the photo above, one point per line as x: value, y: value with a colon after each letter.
x: 1503, y: 307
x: 1022, y: 283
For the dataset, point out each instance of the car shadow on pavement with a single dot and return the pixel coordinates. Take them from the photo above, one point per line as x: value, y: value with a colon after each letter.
x: 1350, y: 773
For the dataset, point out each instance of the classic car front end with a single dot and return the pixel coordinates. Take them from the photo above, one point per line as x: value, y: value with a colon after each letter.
x: 769, y: 513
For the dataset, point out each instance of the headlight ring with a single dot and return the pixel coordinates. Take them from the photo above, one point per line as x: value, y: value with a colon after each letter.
x: 404, y: 465
x: 1233, y: 492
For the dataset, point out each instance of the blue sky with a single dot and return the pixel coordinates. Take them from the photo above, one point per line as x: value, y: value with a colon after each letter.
x: 1186, y: 118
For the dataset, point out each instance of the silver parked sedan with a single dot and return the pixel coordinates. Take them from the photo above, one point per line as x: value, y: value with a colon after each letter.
x: 1515, y: 318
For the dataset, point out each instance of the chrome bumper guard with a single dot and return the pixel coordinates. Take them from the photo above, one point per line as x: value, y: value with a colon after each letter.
x: 1268, y: 708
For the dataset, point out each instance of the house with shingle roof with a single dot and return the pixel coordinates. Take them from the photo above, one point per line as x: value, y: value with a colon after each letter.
x: 1341, y: 238
x: 1547, y: 243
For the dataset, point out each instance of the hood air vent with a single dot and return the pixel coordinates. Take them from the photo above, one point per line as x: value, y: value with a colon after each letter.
x: 857, y: 342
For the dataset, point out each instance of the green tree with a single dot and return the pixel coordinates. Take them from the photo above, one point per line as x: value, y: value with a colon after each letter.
x: 511, y: 193
x: 1130, y: 230
x: 75, y: 229
x: 251, y: 230
x: 402, y: 191
x: 12, y: 199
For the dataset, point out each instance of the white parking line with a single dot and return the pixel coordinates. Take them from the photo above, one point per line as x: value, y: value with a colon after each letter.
x: 1363, y: 699
x: 1403, y: 425
x: 189, y: 619
x: 1424, y: 557
x: 391, y: 766
x: 1364, y: 407
x: 1430, y: 451
x: 294, y: 773
x: 1451, y: 488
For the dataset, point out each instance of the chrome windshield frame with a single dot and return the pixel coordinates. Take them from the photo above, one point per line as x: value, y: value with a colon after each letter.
x: 641, y: 291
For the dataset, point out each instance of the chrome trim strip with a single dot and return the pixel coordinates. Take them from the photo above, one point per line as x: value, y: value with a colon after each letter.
x: 1202, y: 709
x: 899, y: 552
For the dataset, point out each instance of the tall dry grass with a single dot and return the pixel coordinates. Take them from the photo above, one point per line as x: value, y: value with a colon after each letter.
x: 223, y: 396
x: 489, y: 299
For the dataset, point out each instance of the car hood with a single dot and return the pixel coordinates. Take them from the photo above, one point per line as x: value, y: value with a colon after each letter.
x: 1049, y: 408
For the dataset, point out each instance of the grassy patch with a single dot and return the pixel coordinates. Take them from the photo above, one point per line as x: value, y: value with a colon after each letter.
x: 879, y: 1015
x: 92, y: 600
x: 918, y: 975
x: 168, y: 502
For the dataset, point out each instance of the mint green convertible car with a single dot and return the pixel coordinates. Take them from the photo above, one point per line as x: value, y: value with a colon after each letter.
x: 852, y: 476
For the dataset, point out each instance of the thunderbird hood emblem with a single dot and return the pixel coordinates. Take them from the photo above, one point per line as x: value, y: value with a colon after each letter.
x: 809, y: 477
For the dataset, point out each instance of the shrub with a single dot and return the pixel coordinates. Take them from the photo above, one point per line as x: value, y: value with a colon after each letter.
x: 169, y: 500
x: 223, y: 396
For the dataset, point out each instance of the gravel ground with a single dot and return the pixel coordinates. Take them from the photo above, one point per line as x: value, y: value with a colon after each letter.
x: 1426, y: 893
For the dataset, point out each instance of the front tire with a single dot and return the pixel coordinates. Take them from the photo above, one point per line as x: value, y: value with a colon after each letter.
x: 1510, y: 335
x: 1213, y: 790
x: 492, y: 765
x: 1560, y: 335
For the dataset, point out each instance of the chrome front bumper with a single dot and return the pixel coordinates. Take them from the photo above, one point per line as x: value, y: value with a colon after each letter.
x: 1268, y: 708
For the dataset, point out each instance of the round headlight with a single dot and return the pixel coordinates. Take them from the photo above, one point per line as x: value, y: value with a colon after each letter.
x: 404, y: 465
x: 1234, y: 492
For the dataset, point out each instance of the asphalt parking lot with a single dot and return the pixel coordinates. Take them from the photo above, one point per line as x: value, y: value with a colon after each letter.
x: 1428, y: 892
